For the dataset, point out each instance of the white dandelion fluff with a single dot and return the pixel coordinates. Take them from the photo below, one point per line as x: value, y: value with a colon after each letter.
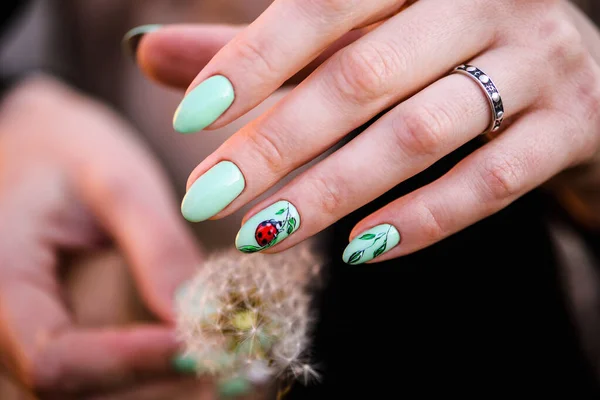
x: 249, y: 315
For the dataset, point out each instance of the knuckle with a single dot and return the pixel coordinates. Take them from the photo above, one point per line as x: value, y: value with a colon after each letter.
x: 586, y: 110
x: 255, y: 58
x: 329, y: 8
x: 588, y: 89
x: 501, y: 178
x: 430, y: 222
x: 269, y: 149
x: 420, y: 132
x: 330, y: 193
x: 364, y: 73
x: 564, y: 43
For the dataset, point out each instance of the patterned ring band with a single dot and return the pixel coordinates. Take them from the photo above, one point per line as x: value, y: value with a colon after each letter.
x: 491, y: 91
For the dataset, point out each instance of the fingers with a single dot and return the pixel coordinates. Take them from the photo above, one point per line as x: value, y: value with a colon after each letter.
x: 63, y: 150
x: 359, y: 82
x: 174, y: 388
x: 173, y: 54
x: 402, y: 143
x: 281, y: 42
x: 77, y: 360
x: 119, y: 182
x: 532, y: 151
x: 50, y: 354
x: 129, y: 194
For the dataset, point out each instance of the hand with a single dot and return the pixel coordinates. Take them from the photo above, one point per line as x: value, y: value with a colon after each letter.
x: 72, y: 176
x: 532, y: 50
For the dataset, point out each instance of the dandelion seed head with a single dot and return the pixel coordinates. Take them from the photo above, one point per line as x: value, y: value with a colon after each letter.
x: 249, y: 315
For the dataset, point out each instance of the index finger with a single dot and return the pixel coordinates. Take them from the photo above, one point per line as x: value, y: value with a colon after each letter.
x: 282, y: 41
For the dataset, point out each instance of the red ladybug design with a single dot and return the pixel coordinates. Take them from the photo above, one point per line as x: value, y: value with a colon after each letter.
x: 266, y: 232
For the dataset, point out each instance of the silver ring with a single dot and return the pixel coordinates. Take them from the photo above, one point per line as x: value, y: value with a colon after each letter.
x: 491, y: 92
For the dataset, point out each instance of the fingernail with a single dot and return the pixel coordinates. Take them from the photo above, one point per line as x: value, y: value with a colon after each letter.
x: 269, y: 227
x: 204, y: 105
x: 212, y: 192
x: 371, y: 244
x: 184, y: 364
x: 132, y: 39
x: 235, y: 387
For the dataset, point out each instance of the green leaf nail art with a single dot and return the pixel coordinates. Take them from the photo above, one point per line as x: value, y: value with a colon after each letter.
x: 291, y: 225
x: 280, y: 211
x: 356, y: 256
x: 250, y: 249
x: 371, y: 244
x: 380, y: 250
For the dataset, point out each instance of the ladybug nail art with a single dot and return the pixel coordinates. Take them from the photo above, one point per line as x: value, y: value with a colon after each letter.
x: 268, y: 227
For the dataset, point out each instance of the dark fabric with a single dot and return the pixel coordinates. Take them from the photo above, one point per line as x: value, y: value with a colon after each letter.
x: 480, y: 314
x: 10, y: 9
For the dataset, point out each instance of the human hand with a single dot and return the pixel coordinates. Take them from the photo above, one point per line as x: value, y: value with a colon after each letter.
x: 72, y: 177
x: 533, y: 52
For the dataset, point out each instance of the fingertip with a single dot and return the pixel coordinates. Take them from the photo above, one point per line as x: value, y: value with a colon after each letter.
x: 131, y: 40
x: 204, y: 104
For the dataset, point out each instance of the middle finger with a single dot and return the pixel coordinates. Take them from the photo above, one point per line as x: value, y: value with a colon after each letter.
x: 387, y: 65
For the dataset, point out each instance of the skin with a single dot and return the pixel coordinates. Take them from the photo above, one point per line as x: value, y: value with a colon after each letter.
x: 542, y: 63
x: 73, y: 178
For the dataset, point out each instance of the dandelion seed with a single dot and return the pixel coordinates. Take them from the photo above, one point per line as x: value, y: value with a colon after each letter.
x: 248, y: 315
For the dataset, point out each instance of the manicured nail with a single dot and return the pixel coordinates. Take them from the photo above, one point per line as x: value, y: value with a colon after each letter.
x: 203, y: 105
x: 268, y: 227
x: 235, y: 387
x: 184, y: 365
x: 371, y: 244
x: 132, y: 39
x: 212, y: 192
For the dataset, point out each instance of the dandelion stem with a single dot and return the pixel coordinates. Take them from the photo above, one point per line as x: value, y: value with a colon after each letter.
x: 283, y: 391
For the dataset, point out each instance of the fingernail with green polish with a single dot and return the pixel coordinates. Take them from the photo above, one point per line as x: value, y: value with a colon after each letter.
x: 185, y: 365
x: 269, y: 227
x: 212, y: 192
x: 234, y: 387
x: 371, y: 244
x: 132, y: 39
x: 204, y: 105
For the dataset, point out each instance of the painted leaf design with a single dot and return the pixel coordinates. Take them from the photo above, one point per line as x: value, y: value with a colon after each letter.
x: 291, y: 225
x: 280, y: 211
x: 381, y: 234
x: 356, y: 256
x: 367, y: 236
x: 249, y: 249
x: 380, y: 250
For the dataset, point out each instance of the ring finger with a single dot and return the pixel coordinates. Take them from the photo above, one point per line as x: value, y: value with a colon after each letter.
x: 404, y: 142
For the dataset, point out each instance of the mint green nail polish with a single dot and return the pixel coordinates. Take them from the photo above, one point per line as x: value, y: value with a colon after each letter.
x: 204, y: 105
x: 212, y: 192
x: 371, y: 244
x: 185, y: 365
x: 269, y: 227
x: 234, y: 387
x: 132, y: 39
